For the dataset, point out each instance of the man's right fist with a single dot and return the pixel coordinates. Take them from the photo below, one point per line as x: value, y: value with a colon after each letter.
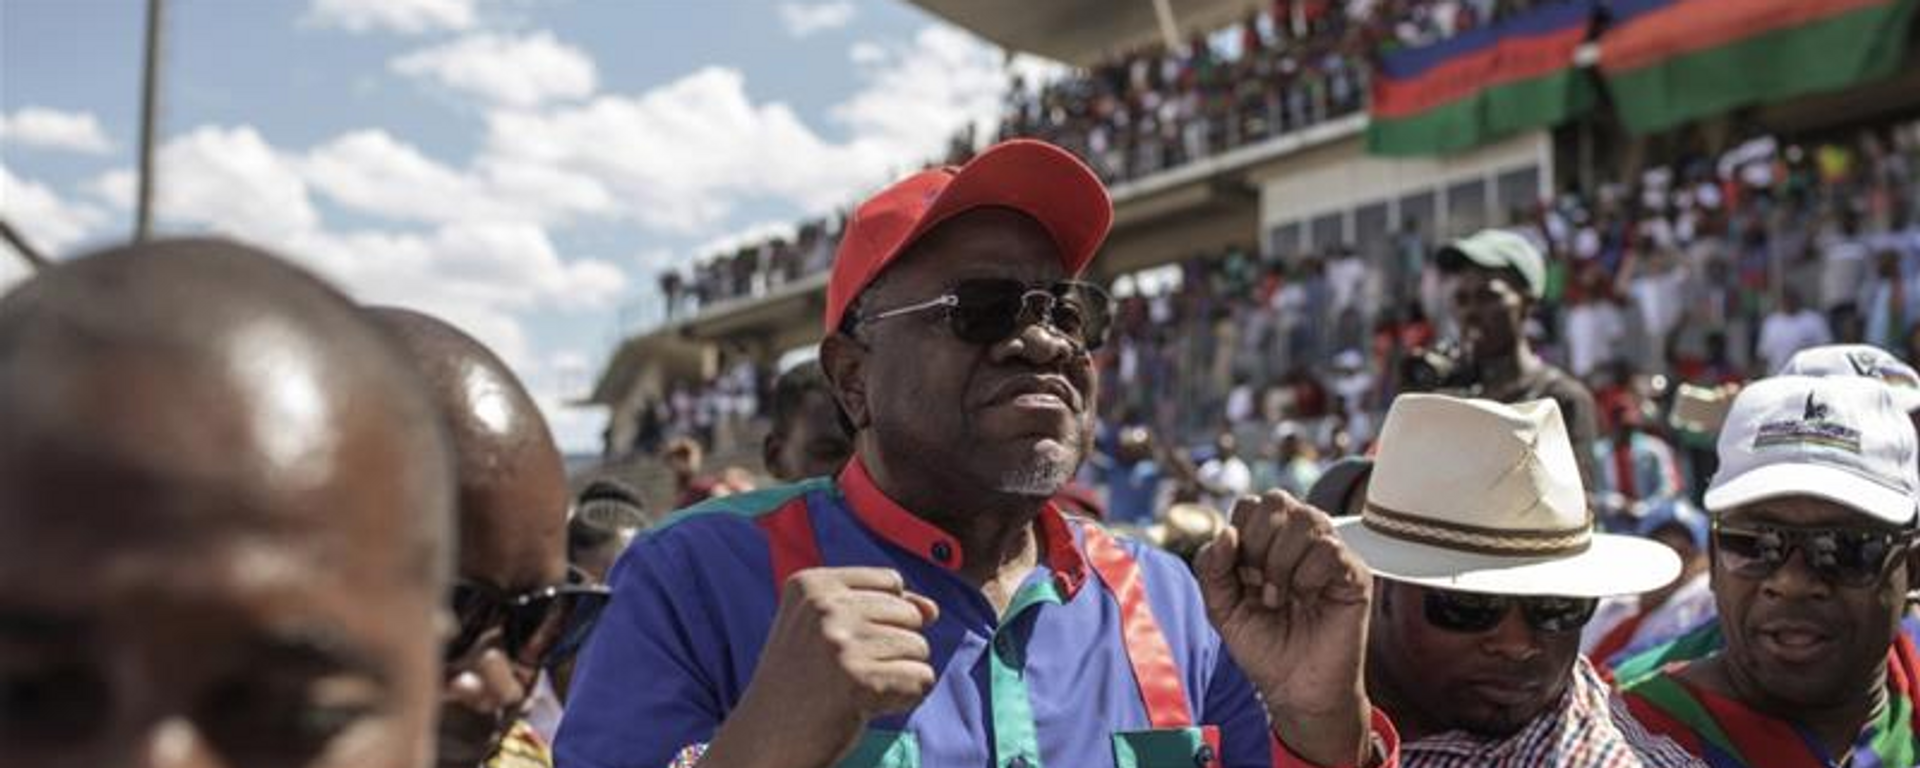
x: 846, y: 646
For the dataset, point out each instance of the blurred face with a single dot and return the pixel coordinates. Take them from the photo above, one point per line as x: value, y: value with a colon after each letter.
x: 1489, y: 683
x: 1014, y: 416
x: 812, y: 444
x: 1795, y: 638
x: 1489, y: 311
x: 186, y: 614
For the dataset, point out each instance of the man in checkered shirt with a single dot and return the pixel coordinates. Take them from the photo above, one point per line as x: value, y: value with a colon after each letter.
x: 1486, y: 567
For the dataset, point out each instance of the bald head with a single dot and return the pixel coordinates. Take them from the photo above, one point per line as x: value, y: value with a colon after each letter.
x: 512, y: 508
x: 216, y: 477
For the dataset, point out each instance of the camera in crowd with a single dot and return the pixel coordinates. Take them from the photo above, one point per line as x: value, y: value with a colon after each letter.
x: 1443, y: 366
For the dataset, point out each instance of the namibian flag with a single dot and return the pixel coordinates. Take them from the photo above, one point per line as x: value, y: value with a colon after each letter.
x: 1481, y: 84
x: 1668, y: 61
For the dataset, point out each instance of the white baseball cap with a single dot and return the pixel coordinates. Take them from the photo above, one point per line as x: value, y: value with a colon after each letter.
x: 1499, y: 248
x: 1859, y: 360
x: 1838, y: 438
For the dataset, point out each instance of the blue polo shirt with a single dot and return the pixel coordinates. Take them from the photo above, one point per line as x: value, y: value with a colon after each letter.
x: 1047, y: 684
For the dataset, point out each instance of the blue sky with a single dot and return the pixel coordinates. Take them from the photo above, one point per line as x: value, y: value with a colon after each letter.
x: 520, y: 167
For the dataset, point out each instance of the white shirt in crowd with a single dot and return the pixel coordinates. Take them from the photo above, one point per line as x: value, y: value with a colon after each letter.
x: 1595, y: 330
x: 1231, y: 476
x: 1783, y: 334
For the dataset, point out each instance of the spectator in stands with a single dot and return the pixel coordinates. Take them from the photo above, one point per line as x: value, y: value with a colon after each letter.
x: 1791, y: 327
x: 518, y: 610
x: 683, y: 457
x: 1224, y: 477
x: 1497, y: 276
x: 226, y: 519
x: 1486, y: 568
x: 1636, y: 467
x: 808, y: 436
x: 1625, y: 625
x: 1133, y: 476
x: 878, y: 615
x: 606, y: 516
x: 1813, y: 557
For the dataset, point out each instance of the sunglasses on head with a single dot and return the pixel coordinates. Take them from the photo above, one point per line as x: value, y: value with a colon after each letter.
x: 1848, y: 557
x: 540, y: 628
x: 991, y: 310
x: 1473, y: 613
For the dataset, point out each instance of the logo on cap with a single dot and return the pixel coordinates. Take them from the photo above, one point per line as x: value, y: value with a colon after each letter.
x: 1813, y: 428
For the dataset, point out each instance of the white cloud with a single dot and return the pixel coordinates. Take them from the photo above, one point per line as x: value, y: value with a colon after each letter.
x: 680, y: 157
x: 410, y: 17
x: 375, y: 173
x: 520, y: 72
x: 48, y: 222
x: 804, y: 19
x: 44, y: 128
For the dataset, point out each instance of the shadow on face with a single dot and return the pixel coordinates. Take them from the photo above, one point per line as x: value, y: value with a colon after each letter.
x: 1434, y: 679
x: 1489, y: 308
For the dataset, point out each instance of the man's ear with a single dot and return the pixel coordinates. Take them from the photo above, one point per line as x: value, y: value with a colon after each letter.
x: 770, y: 451
x: 844, y: 360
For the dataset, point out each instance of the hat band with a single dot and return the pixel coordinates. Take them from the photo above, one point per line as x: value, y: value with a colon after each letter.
x: 1474, y: 538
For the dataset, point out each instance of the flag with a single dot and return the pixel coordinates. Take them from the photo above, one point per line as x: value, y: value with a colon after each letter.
x: 1482, y: 84
x: 1669, y: 61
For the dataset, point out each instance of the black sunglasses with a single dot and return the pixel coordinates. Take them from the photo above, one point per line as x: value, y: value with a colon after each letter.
x: 1848, y: 557
x: 540, y: 628
x: 990, y: 310
x: 1473, y: 613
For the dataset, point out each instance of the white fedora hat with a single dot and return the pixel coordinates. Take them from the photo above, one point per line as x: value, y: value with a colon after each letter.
x: 1477, y: 496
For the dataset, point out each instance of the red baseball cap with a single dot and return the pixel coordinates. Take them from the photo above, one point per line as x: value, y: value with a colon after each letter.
x: 1033, y: 177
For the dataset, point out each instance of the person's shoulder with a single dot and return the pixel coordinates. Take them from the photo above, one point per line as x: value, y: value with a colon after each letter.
x: 737, y: 513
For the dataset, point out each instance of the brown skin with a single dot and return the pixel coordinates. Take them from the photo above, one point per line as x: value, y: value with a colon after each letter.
x: 810, y: 444
x: 206, y: 568
x: 1491, y: 312
x: 512, y: 517
x: 1833, y: 687
x: 1431, y: 680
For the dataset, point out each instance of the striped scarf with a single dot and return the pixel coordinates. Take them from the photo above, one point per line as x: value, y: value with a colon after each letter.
x: 1727, y: 734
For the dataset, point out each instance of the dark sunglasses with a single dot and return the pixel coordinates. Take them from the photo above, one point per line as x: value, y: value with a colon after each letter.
x: 991, y: 310
x: 1848, y: 557
x: 540, y: 628
x: 1473, y: 613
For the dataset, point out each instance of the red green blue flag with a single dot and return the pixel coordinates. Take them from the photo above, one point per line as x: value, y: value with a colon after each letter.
x: 1482, y: 84
x: 1668, y: 61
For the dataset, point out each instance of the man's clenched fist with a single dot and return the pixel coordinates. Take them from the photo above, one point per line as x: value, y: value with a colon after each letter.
x: 846, y: 646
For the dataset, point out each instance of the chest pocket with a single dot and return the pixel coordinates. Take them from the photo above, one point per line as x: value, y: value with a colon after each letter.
x: 1167, y: 748
x: 883, y: 749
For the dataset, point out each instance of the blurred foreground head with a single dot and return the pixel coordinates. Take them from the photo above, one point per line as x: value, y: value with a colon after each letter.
x: 225, y: 519
x: 512, y: 600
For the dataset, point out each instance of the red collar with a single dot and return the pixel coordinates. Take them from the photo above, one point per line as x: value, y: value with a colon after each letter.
x: 892, y: 522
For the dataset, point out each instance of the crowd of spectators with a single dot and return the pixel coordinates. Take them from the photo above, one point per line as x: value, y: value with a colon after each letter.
x: 1707, y: 271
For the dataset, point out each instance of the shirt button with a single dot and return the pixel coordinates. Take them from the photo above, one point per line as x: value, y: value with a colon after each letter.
x: 942, y: 552
x: 1203, y: 756
x: 1018, y: 761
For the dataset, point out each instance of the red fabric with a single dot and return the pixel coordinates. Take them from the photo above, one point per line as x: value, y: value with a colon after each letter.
x: 893, y: 522
x: 1616, y: 638
x: 790, y: 540
x: 1623, y: 473
x: 1153, y: 666
x: 1033, y: 177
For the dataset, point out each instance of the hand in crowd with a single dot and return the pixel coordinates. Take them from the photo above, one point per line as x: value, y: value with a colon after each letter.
x: 1290, y: 602
x: 847, y: 646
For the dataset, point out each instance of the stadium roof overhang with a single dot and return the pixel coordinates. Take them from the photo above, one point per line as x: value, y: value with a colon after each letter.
x: 1085, y: 32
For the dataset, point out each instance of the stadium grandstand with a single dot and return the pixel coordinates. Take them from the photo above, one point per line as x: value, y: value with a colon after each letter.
x: 1710, y: 182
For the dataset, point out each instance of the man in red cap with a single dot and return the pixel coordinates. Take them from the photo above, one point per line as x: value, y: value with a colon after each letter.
x: 930, y: 605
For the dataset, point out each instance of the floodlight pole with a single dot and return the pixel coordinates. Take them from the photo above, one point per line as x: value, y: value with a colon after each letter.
x: 20, y: 245
x: 149, y: 104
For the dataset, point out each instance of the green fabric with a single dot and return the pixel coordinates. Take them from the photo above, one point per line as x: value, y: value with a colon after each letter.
x: 1696, y: 644
x: 1014, y: 734
x: 750, y: 504
x: 1893, y: 740
x: 1161, y: 748
x: 1491, y: 114
x: 1670, y: 697
x: 1833, y: 53
x: 883, y: 749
